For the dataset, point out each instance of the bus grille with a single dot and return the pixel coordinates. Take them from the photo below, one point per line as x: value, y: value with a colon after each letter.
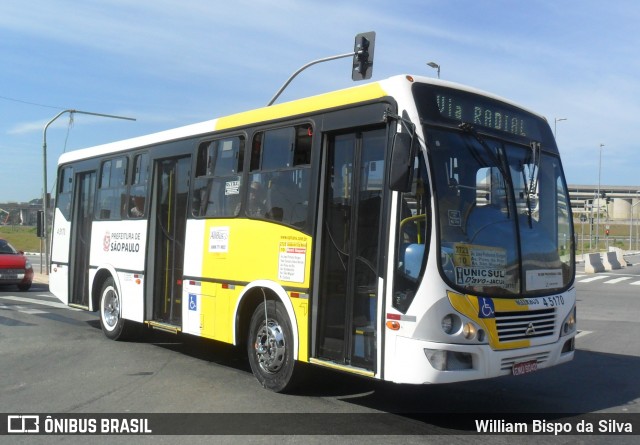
x: 525, y: 325
x: 507, y: 363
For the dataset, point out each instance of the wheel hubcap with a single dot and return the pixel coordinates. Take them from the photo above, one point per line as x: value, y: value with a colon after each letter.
x: 111, y: 311
x: 270, y: 347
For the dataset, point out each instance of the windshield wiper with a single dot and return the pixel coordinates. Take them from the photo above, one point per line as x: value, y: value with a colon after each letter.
x: 532, y: 185
x: 535, y: 167
x: 498, y: 161
x: 468, y: 128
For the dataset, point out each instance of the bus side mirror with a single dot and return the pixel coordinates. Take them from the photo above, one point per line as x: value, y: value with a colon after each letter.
x: 401, y: 171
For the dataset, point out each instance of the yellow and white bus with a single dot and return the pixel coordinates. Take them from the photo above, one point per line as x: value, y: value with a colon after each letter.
x: 410, y: 230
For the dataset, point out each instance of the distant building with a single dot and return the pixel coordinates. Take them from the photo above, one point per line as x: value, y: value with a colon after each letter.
x: 616, y: 202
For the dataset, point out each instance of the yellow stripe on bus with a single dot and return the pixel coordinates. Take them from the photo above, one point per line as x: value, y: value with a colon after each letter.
x: 321, y: 102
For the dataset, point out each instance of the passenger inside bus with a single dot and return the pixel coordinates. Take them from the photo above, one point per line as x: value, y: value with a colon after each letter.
x: 256, y: 206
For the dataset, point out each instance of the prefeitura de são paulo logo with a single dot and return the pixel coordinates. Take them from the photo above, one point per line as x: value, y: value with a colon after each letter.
x: 107, y: 241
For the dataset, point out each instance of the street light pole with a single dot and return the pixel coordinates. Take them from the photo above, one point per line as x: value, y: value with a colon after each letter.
x: 434, y: 66
x: 599, y: 198
x: 555, y: 125
x: 44, y: 158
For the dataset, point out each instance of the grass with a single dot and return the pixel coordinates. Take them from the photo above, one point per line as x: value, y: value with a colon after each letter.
x: 21, y: 237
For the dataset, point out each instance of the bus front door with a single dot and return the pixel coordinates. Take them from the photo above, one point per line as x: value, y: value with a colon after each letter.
x: 81, y: 222
x: 350, y: 271
x: 167, y: 234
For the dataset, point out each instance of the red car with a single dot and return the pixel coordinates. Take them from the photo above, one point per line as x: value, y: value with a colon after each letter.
x: 15, y: 268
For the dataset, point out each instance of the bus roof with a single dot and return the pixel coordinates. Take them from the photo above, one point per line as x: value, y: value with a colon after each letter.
x: 334, y: 99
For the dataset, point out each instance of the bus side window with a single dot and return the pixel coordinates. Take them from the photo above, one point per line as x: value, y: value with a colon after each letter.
x: 65, y: 189
x: 218, y: 178
x: 280, y: 175
x: 138, y: 191
x: 112, y: 197
x: 414, y: 235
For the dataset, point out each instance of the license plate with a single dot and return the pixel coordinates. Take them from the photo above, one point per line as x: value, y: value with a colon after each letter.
x: 525, y: 367
x: 4, y: 276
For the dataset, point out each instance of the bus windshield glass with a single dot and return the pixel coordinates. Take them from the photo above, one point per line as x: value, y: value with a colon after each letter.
x: 504, y: 222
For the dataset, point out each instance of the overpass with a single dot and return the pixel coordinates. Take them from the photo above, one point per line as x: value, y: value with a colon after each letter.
x: 616, y: 202
x: 20, y: 214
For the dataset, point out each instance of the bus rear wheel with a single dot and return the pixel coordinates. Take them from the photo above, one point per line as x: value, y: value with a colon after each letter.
x: 270, y: 347
x: 111, y: 321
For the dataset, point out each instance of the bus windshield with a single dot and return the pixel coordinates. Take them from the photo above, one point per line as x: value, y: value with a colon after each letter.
x: 503, y: 215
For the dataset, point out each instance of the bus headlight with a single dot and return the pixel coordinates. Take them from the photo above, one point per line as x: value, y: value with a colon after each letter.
x: 450, y: 323
x: 569, y: 323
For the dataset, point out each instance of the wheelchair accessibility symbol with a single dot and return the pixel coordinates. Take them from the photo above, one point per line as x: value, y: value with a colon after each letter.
x: 486, y: 309
x: 193, y: 302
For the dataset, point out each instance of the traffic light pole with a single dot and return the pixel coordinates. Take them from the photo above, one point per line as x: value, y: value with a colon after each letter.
x: 362, y: 61
x: 286, y: 84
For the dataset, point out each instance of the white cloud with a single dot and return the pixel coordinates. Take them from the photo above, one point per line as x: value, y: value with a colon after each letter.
x: 26, y: 127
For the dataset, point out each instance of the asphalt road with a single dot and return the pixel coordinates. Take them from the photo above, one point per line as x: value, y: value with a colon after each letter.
x: 56, y: 360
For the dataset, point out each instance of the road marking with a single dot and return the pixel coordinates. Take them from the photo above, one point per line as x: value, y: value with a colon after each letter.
x: 25, y: 310
x: 22, y: 309
x: 44, y: 303
x: 636, y: 283
x: 617, y: 280
x: 589, y: 280
x: 583, y: 333
x: 50, y: 315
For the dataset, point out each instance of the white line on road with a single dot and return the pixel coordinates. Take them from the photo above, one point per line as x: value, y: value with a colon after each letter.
x: 22, y: 309
x: 617, y: 280
x: 589, y: 280
x: 34, y: 301
x: 27, y: 311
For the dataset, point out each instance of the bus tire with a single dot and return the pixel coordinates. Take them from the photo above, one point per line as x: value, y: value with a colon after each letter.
x: 270, y: 347
x: 111, y: 321
x: 24, y: 287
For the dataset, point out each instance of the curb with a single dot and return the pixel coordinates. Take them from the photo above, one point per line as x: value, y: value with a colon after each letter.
x: 40, y: 278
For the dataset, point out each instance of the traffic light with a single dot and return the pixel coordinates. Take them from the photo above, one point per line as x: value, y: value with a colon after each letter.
x: 363, y: 56
x: 40, y: 224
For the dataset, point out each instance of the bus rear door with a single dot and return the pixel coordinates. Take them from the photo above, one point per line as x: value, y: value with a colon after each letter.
x: 166, y: 241
x: 81, y: 223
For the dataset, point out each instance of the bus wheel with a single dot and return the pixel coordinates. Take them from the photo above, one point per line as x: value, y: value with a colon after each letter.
x: 111, y: 311
x: 270, y: 347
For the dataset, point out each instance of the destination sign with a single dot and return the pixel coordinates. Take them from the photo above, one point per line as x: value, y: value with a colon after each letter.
x: 482, y: 114
x: 440, y: 104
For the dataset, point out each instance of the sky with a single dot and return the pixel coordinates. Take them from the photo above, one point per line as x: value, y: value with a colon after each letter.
x: 169, y: 63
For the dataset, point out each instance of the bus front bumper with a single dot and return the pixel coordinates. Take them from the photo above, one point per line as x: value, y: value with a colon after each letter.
x: 420, y: 362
